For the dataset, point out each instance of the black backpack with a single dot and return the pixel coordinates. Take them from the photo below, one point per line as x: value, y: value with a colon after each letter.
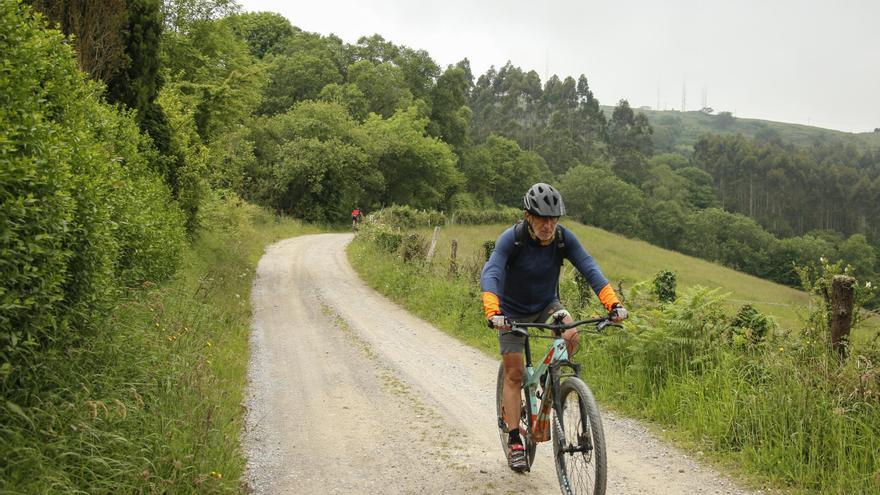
x: 521, y: 235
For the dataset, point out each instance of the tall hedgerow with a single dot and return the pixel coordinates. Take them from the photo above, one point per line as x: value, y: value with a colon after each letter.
x: 80, y: 210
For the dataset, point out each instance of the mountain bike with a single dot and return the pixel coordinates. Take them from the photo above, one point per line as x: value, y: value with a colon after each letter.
x: 555, y: 389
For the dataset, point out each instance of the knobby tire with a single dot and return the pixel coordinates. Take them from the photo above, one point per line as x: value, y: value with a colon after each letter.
x: 580, y: 472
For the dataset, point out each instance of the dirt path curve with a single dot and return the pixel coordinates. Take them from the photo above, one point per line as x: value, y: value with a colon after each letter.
x: 349, y: 393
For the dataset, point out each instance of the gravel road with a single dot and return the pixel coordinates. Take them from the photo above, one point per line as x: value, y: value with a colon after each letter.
x: 349, y: 393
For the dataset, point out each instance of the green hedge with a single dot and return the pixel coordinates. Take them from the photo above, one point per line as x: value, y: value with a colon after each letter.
x: 81, y: 211
x: 408, y: 217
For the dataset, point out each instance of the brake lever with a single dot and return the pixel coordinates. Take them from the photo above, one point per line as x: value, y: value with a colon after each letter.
x: 607, y: 323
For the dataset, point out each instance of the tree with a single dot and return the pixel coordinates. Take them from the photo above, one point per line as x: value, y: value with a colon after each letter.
x: 700, y: 193
x: 629, y: 141
x: 297, y: 77
x: 419, y: 70
x: 664, y: 223
x: 319, y: 180
x: 498, y: 171
x: 731, y: 239
x: 310, y: 162
x: 724, y: 120
x: 450, y: 115
x: 215, y: 71
x: 137, y: 86
x: 349, y: 96
x: 597, y: 197
x: 374, y: 49
x: 97, y: 30
x: 383, y: 84
x: 661, y: 183
x: 180, y: 15
x: 805, y: 251
x: 264, y: 32
x: 628, y: 132
x: 418, y: 170
x: 857, y: 253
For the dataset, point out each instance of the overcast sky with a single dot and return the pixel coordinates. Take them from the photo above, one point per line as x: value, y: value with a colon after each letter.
x: 809, y: 62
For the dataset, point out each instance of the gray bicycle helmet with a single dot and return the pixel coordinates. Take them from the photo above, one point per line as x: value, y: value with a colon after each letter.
x: 543, y: 200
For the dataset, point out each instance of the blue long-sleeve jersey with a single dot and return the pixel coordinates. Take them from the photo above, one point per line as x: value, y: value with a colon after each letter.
x: 530, y: 284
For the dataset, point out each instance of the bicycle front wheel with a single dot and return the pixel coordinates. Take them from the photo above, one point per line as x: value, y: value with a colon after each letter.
x: 579, y: 441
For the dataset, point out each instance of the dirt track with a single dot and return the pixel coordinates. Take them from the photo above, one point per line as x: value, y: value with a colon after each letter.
x: 349, y: 393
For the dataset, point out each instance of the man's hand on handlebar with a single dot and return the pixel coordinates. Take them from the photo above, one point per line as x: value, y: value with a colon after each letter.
x: 618, y: 313
x: 499, y: 322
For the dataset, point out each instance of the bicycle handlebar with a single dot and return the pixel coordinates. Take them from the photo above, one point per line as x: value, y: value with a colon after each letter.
x: 521, y: 328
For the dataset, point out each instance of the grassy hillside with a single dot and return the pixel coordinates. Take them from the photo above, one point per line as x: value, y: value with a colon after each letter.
x: 677, y: 131
x: 633, y: 261
x: 780, y: 411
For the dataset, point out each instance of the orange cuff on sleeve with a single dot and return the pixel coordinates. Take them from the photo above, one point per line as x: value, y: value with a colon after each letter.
x: 491, y: 304
x: 607, y: 297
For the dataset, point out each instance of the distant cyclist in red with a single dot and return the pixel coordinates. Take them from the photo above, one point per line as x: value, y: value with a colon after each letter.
x: 355, y: 217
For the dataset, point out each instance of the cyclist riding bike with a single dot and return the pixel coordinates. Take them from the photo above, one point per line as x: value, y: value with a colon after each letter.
x: 520, y: 283
x: 355, y: 217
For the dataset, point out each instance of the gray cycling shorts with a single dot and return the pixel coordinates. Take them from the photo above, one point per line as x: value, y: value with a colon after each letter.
x: 510, y: 343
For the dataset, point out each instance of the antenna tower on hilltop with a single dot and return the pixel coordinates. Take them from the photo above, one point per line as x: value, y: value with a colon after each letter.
x: 683, y: 96
x: 658, y: 97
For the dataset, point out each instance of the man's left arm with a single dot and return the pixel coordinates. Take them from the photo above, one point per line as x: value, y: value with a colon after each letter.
x: 588, y: 267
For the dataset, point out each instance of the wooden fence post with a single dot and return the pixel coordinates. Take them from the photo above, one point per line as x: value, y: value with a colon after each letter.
x: 841, y: 313
x: 431, y: 249
x: 453, y: 264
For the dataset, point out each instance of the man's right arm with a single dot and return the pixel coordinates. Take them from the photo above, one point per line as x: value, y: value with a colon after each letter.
x: 492, y: 277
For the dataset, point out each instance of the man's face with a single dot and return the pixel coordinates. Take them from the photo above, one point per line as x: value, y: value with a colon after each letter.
x: 544, y: 227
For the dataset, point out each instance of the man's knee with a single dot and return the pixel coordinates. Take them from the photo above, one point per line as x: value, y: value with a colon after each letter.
x: 513, y: 371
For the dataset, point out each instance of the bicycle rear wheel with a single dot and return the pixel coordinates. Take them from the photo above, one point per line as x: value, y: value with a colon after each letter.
x: 524, y: 428
x: 579, y: 441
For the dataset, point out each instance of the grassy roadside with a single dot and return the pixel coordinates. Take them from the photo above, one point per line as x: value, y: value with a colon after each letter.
x: 777, y: 411
x: 153, y: 404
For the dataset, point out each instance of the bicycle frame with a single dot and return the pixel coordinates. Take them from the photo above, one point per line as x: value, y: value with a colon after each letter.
x: 557, y: 356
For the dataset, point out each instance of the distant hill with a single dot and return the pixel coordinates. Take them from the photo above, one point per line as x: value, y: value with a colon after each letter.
x: 676, y: 131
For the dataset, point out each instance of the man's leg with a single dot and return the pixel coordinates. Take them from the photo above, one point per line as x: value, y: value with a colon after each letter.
x: 511, y: 400
x: 571, y: 337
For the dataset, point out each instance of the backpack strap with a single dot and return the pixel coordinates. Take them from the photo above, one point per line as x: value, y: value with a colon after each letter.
x: 520, y: 233
x: 560, y: 244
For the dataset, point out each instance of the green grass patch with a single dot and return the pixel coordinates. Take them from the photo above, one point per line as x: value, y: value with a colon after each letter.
x: 779, y: 411
x: 152, y: 403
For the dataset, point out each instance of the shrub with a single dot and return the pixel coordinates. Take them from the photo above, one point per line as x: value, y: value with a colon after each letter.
x: 414, y: 248
x: 382, y: 235
x: 483, y: 217
x: 56, y: 242
x: 81, y: 209
x: 407, y: 217
x: 488, y: 248
x: 752, y: 325
x: 664, y: 286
